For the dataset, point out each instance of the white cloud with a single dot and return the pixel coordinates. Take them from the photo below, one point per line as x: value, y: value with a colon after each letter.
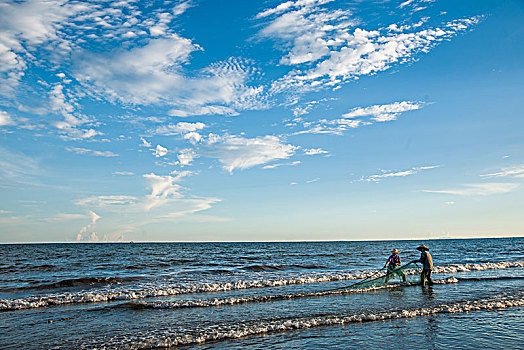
x: 273, y: 166
x: 312, y: 180
x: 327, y: 50
x: 124, y: 173
x: 154, y: 74
x: 24, y: 26
x: 236, y: 152
x: 179, y: 128
x: 144, y: 143
x: 163, y: 190
x: 516, y: 172
x: 65, y: 106
x: 483, y: 189
x: 5, y: 119
x: 193, y: 137
x: 307, y: 29
x: 142, y: 75
x: 186, y: 156
x: 78, y: 150
x: 192, y: 206
x: 314, y: 151
x: 389, y: 173
x: 106, y: 201
x: 87, y: 232
x: 159, y: 151
x: 357, y: 117
x: 382, y: 113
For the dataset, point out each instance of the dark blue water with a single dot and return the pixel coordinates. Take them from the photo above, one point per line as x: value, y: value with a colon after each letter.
x: 258, y: 295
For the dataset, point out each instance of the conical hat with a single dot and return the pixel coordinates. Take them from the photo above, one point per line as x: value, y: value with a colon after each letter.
x: 422, y: 247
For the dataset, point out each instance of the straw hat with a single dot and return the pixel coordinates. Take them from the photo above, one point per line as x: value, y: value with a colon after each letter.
x: 396, y: 251
x: 422, y: 247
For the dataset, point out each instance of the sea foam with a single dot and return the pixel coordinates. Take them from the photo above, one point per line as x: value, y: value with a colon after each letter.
x: 143, y: 291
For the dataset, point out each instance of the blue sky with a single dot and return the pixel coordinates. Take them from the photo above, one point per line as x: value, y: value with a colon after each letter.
x: 260, y: 120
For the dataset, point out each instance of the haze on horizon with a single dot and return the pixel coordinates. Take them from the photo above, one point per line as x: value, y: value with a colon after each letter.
x: 260, y: 120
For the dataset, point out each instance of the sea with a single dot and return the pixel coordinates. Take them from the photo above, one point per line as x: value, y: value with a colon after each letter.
x: 290, y: 295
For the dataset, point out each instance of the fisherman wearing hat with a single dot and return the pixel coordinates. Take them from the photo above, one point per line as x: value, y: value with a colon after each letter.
x: 392, y: 264
x: 427, y: 265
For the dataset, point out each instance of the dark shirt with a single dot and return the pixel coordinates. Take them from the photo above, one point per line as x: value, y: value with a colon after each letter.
x: 393, y: 260
x: 427, y: 260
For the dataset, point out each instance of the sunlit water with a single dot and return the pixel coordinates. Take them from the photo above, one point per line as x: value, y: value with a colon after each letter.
x: 258, y: 295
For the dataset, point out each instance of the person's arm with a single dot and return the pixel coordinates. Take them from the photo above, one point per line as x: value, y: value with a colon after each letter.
x: 418, y: 260
x: 387, y: 262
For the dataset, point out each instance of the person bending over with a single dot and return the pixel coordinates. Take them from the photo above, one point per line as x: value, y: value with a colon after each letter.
x: 393, y: 264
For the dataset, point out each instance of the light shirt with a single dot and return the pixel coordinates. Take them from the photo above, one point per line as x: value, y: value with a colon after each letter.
x: 427, y: 260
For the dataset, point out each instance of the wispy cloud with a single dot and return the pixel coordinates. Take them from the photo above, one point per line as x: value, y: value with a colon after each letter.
x: 163, y: 189
x: 515, y: 172
x: 357, y: 117
x: 153, y: 74
x: 79, y: 150
x: 394, y: 173
x: 482, y: 189
x: 236, y: 152
x: 315, y: 151
x: 273, y: 166
x: 179, y: 128
x: 106, y: 201
x: 123, y: 173
x: 384, y: 113
x: 16, y: 167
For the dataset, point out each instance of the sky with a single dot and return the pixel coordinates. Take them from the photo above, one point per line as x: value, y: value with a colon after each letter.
x: 268, y: 120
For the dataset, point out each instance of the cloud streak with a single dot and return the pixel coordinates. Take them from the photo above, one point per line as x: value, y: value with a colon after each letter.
x: 88, y: 151
x: 392, y: 173
x: 482, y: 189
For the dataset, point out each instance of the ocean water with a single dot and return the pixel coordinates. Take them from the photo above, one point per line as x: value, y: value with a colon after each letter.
x: 259, y: 296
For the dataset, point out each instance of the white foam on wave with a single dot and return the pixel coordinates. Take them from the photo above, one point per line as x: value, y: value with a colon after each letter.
x: 212, y: 302
x: 180, y: 304
x: 160, y: 290
x: 478, y: 267
x: 152, y: 291
x: 173, y: 338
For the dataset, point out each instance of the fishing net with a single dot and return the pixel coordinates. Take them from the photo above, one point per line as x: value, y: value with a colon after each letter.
x: 409, y: 273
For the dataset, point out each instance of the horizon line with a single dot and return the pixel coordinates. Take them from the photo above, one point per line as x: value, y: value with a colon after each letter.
x: 276, y: 241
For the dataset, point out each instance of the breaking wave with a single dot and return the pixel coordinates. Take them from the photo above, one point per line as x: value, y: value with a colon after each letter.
x: 173, y: 338
x: 150, y: 291
x: 181, y: 304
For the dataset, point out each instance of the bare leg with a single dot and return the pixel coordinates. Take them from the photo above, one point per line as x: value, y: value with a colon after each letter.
x: 428, y: 275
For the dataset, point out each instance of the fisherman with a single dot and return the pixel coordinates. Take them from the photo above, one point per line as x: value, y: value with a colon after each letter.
x: 427, y: 265
x: 392, y: 266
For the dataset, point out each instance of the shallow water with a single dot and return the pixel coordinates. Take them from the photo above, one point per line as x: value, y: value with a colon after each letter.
x: 261, y: 295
